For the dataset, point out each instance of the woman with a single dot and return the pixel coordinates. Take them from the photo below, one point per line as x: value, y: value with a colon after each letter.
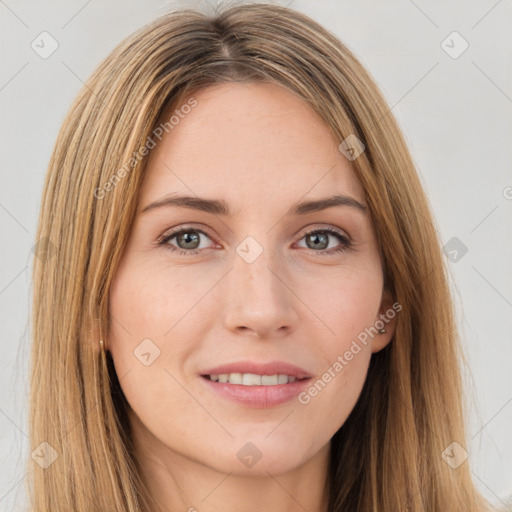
x: 301, y: 353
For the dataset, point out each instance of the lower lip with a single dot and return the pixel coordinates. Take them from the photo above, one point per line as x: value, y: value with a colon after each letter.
x: 258, y: 396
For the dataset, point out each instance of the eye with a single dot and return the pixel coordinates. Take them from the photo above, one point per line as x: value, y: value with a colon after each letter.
x: 319, y: 239
x: 188, y: 240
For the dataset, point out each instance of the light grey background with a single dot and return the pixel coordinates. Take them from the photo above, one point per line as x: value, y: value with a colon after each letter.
x: 456, y: 116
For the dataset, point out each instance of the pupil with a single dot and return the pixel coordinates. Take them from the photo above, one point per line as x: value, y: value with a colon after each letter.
x: 187, y: 238
x: 325, y: 240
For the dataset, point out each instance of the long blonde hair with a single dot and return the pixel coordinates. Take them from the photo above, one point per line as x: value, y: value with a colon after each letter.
x: 388, y: 456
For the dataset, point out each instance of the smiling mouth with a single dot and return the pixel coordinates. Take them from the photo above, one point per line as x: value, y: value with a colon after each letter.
x: 252, y: 379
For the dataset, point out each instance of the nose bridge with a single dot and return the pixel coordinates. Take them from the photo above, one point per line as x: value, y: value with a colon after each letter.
x: 252, y: 267
x: 257, y: 298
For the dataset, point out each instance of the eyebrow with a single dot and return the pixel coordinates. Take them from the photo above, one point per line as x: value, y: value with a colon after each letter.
x: 220, y: 207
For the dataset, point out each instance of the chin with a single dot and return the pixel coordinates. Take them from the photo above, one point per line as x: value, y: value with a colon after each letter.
x: 260, y: 455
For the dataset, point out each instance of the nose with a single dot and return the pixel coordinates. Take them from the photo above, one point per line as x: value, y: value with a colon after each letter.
x: 259, y: 301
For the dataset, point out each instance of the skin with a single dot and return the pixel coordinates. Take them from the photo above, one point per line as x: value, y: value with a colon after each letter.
x: 261, y: 149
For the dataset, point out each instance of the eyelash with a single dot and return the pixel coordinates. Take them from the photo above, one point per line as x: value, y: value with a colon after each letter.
x: 344, y: 245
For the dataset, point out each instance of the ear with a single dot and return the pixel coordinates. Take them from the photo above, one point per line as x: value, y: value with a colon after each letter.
x: 386, y: 319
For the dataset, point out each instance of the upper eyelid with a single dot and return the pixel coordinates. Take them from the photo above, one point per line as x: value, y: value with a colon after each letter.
x: 173, y: 232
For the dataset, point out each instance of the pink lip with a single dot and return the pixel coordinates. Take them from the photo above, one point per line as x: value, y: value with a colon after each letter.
x: 273, y: 368
x: 258, y: 396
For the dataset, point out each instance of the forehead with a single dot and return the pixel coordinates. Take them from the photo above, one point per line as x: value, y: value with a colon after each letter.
x: 246, y: 142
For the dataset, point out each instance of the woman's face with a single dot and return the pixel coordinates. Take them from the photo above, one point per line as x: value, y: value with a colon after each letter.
x: 253, y: 287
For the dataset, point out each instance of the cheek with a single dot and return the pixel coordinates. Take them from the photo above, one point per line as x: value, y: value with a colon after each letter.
x: 147, y: 302
x: 347, y: 302
x: 152, y: 306
x: 143, y: 308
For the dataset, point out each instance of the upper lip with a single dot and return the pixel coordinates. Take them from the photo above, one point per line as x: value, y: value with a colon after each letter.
x: 272, y: 368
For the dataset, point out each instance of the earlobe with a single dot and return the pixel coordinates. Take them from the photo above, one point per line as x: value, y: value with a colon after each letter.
x: 385, y: 323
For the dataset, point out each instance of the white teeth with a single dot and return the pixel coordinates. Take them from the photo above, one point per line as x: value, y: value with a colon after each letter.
x: 235, y: 378
x: 269, y: 380
x: 251, y: 379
